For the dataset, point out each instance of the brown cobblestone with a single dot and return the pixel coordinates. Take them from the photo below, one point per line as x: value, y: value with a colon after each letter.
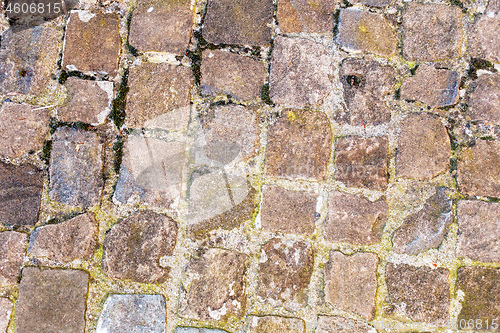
x: 484, y: 42
x: 12, y: 247
x: 484, y: 100
x: 304, y: 16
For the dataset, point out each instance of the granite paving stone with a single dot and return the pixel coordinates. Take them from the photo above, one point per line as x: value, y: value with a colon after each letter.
x: 299, y: 145
x: 215, y: 285
x: 431, y: 32
x: 134, y: 246
x: 305, y: 16
x: 285, y: 269
x: 434, y: 87
x: 161, y: 25
x: 423, y: 147
x: 422, y: 293
x: 12, y: 248
x: 197, y: 330
x: 76, y: 167
x: 92, y: 42
x: 133, y: 313
x: 301, y: 72
x: 287, y: 211
x: 20, y: 194
x: 238, y: 22
x: 22, y: 130
x: 366, y: 83
x: 484, y: 99
x: 229, y: 73
x: 275, y: 324
x: 5, y: 311
x: 332, y: 324
x: 354, y: 219
x: 478, y: 230
x: 66, y: 241
x: 361, y: 162
x: 51, y: 300
x: 351, y: 283
x: 363, y: 31
x: 483, y: 42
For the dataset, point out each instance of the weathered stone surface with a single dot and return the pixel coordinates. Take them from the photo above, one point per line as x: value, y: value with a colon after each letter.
x: 362, y: 162
x: 12, y: 247
x: 330, y: 324
x: 156, y: 89
x: 373, y: 3
x: 239, y: 76
x: 162, y: 25
x: 484, y: 99
x: 75, y: 167
x: 424, y: 292
x: 479, y: 230
x: 197, y: 330
x: 351, y: 282
x: 133, y: 247
x: 238, y: 22
x: 299, y: 145
x: 133, y: 313
x: 354, y: 219
x: 51, y: 300
x: 366, y: 83
x: 423, y: 147
x: 21, y: 129
x: 215, y: 285
x: 27, y: 58
x: 287, y: 211
x: 482, y: 294
x: 87, y: 101
x: 483, y: 41
x: 92, y: 42
x: 472, y: 164
x: 426, y: 228
x: 285, y: 270
x: 275, y: 324
x: 305, y: 16
x: 431, y: 32
x: 301, y: 72
x: 20, y: 193
x: 66, y: 241
x: 434, y: 87
x: 5, y: 311
x: 151, y: 171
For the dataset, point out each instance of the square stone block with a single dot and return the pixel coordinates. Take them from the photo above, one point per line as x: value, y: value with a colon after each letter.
x: 484, y: 99
x: 305, y: 16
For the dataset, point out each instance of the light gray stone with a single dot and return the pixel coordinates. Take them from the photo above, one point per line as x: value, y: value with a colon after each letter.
x: 12, y: 248
x: 276, y: 324
x: 331, y: 324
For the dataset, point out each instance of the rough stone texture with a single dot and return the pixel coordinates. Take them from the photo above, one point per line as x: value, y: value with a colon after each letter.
x: 156, y: 89
x: 197, y: 330
x: 484, y: 99
x: 299, y: 145
x: 287, y: 211
x: 354, y: 219
x: 482, y: 294
x: 238, y: 22
x: 483, y: 41
x: 87, y: 101
x: 133, y: 247
x: 51, y: 300
x: 479, y: 230
x: 285, y: 269
x: 431, y: 32
x: 351, y: 282
x: 215, y: 285
x: 133, y: 313
x: 27, y: 58
x: 327, y: 324
x: 5, y: 311
x: 426, y: 228
x: 366, y: 83
x: 92, y: 42
x: 425, y: 292
x: 373, y: 3
x: 21, y: 129
x: 305, y: 16
x: 12, y: 247
x: 472, y: 163
x: 301, y: 72
x: 364, y: 31
x: 423, y: 147
x: 75, y: 167
x: 434, y: 87
x: 239, y: 76
x: 362, y: 162
x: 66, y: 241
x: 20, y: 193
x: 276, y: 324
x: 163, y: 26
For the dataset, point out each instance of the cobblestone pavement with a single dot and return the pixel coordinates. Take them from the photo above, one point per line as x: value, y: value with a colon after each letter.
x: 250, y: 166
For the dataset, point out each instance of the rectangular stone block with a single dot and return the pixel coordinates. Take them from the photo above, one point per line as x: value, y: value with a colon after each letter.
x: 276, y: 324
x: 12, y: 248
x: 305, y: 16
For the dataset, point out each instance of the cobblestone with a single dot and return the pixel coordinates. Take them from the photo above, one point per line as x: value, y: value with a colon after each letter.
x: 303, y: 16
x: 275, y: 324
x: 483, y: 42
x: 5, y: 311
x: 484, y: 100
x: 12, y: 245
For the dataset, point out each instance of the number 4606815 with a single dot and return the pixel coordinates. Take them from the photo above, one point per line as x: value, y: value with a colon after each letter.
x: 33, y: 8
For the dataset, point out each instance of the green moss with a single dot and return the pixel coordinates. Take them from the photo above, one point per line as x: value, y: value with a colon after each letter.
x: 264, y: 94
x: 47, y: 147
x: 118, y: 149
x: 117, y: 113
